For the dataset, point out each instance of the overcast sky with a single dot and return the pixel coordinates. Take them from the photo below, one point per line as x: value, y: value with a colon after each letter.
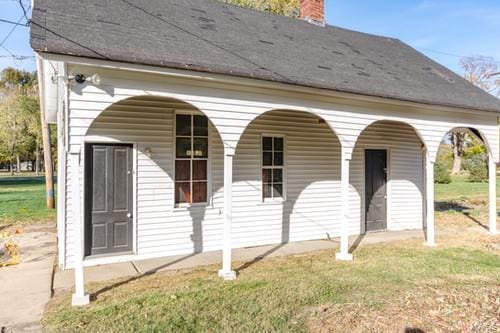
x: 444, y: 30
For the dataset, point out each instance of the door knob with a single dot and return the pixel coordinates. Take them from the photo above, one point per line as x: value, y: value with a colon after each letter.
x: 129, y: 215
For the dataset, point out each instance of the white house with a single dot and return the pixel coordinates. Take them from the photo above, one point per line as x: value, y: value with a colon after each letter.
x: 192, y: 125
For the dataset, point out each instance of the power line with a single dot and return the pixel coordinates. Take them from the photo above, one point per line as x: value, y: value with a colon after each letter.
x: 449, y: 54
x: 15, y: 23
x: 6, y: 49
x: 11, y: 31
x: 24, y: 11
x: 17, y: 57
x: 201, y: 38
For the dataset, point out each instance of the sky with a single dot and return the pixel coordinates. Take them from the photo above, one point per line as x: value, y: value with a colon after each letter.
x: 444, y: 30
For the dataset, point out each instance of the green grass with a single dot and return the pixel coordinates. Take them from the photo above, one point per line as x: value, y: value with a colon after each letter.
x: 403, y: 282
x: 22, y: 200
x: 461, y: 189
x: 24, y: 174
x: 275, y: 295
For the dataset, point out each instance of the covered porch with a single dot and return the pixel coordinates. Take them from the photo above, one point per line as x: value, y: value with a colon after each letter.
x: 289, y: 175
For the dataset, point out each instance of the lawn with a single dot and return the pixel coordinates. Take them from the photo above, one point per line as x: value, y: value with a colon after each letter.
x: 389, y: 287
x: 22, y: 200
x: 461, y: 189
x: 393, y: 287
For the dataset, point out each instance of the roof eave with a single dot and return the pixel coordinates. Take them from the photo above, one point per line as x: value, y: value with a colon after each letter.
x: 224, y: 76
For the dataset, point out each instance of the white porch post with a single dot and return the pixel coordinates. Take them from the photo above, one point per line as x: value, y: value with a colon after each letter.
x: 226, y: 272
x: 344, y: 189
x: 429, y: 200
x: 492, y: 182
x: 79, y: 297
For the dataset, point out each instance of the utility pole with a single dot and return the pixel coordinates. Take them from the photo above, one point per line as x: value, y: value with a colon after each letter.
x: 47, y: 159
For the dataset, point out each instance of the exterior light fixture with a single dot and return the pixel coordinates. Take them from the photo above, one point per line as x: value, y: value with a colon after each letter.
x: 148, y: 152
x: 82, y: 78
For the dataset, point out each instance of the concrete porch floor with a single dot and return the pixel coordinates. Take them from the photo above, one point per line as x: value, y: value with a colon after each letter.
x: 65, y: 279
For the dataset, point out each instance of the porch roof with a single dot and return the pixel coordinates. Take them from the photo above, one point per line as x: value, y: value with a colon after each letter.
x: 210, y: 36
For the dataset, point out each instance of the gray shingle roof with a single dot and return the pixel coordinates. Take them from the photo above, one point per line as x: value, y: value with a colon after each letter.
x: 209, y: 36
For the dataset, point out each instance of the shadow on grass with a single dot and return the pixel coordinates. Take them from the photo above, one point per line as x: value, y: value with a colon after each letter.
x: 414, y: 330
x: 476, y: 221
x: 445, y: 206
x: 14, y: 181
x: 152, y: 271
x: 356, y: 243
x: 258, y: 258
x: 156, y: 269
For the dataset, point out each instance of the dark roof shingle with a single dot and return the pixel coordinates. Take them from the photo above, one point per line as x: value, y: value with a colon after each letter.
x: 210, y: 36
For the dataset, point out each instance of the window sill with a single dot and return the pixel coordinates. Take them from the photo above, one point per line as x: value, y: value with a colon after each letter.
x: 186, y: 208
x: 272, y: 202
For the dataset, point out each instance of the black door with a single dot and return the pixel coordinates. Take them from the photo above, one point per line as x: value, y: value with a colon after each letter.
x: 375, y: 189
x: 108, y: 198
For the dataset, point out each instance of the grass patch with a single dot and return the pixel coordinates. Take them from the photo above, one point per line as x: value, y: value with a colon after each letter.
x: 310, y: 292
x: 463, y: 197
x: 461, y: 189
x: 22, y: 200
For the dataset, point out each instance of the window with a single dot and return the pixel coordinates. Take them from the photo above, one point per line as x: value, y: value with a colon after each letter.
x: 191, y: 159
x: 272, y: 167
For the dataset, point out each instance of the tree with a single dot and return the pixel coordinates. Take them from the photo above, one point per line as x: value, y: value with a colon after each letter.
x: 19, y: 116
x: 479, y: 71
x: 13, y: 137
x: 458, y: 138
x: 278, y: 7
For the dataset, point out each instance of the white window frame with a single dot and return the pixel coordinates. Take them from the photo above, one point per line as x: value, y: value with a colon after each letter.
x: 284, y: 168
x: 208, y: 202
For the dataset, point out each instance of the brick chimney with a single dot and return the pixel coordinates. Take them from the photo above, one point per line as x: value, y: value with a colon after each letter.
x: 313, y: 11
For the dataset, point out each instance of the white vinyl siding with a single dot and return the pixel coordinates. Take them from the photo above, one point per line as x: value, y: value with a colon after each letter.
x: 405, y: 179
x: 311, y: 208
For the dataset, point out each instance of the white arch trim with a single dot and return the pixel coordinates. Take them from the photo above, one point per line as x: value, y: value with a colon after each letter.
x: 492, y: 151
x: 77, y: 146
x: 414, y: 127
x: 311, y: 111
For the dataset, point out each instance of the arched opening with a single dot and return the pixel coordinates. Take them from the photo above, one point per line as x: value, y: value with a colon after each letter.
x: 461, y: 177
x: 387, y: 173
x: 286, y: 180
x: 177, y: 180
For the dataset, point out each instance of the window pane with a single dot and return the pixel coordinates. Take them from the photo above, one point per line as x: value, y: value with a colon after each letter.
x: 182, y: 192
x: 200, y: 148
x: 200, y: 126
x: 183, y: 147
x: 277, y: 175
x: 278, y: 144
x: 199, y: 170
x: 266, y: 190
x: 183, y: 125
x: 267, y: 143
x: 278, y: 159
x: 267, y: 158
x: 182, y: 170
x: 266, y: 175
x: 200, y: 192
x: 277, y: 190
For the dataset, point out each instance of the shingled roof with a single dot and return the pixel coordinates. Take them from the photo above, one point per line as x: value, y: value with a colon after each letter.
x: 210, y: 36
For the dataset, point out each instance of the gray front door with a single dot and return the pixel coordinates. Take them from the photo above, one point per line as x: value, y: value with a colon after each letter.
x: 108, y: 198
x: 375, y: 189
